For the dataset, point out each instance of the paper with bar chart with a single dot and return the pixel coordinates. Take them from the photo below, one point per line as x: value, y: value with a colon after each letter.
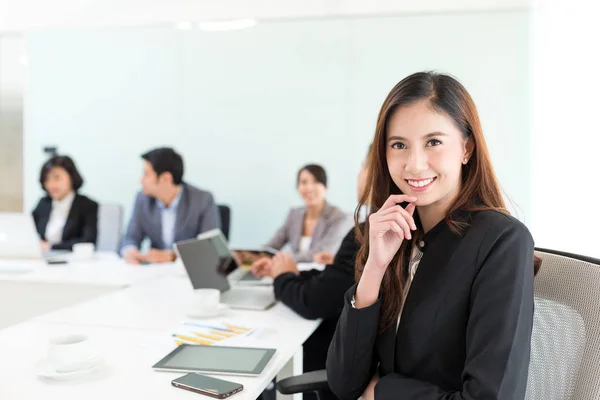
x: 193, y: 332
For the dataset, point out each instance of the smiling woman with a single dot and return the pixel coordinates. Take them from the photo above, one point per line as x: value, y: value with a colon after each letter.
x: 424, y: 155
x: 442, y: 265
x: 315, y: 228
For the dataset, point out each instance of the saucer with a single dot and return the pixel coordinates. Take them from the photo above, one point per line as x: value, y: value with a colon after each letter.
x: 221, y: 308
x: 44, y: 369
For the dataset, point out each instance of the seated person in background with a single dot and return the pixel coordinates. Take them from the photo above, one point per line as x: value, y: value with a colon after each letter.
x: 166, y: 210
x: 316, y: 294
x: 63, y: 217
x: 314, y: 228
x: 325, y: 257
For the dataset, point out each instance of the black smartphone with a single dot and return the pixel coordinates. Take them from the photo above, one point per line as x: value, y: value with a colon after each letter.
x: 207, y: 385
x: 56, y: 262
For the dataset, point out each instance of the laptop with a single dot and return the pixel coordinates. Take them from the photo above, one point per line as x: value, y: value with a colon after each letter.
x: 240, y: 275
x: 208, y: 262
x: 19, y: 239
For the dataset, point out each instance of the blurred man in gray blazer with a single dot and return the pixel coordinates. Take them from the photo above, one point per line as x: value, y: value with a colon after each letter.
x: 166, y: 210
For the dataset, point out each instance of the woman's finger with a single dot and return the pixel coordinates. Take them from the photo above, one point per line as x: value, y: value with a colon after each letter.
x: 398, y: 218
x: 397, y: 198
x: 394, y: 227
x: 393, y: 221
x: 402, y: 223
x: 405, y: 214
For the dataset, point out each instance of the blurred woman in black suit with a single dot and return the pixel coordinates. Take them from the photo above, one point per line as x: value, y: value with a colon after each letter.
x: 63, y: 217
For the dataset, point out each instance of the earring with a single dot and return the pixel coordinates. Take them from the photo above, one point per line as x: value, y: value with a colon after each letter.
x: 466, y: 160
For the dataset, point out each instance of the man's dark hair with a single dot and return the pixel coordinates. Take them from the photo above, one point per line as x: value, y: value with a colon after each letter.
x: 165, y: 159
x: 68, y: 165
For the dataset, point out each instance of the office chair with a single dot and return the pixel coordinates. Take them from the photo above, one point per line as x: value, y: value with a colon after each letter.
x: 110, y: 218
x: 225, y: 213
x: 565, y: 345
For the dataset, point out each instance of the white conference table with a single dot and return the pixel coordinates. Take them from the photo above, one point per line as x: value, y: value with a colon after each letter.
x: 103, y: 269
x: 161, y: 304
x: 132, y: 323
x: 31, y: 287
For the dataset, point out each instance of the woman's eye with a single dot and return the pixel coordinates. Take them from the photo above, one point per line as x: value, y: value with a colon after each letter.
x: 398, y: 145
x: 434, y: 142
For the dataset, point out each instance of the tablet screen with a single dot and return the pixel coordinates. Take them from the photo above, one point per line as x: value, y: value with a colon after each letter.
x: 227, y: 360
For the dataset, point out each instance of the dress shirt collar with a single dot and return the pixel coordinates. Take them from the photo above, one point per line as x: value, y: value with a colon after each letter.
x: 174, y: 204
x: 66, y: 201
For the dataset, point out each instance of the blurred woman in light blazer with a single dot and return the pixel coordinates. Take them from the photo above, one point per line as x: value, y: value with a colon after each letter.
x: 317, y: 227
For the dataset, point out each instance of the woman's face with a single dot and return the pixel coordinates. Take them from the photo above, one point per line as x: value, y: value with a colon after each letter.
x: 311, y: 190
x: 58, y: 183
x: 425, y: 152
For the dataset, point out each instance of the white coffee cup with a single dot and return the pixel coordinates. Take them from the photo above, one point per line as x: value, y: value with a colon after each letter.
x: 70, y: 353
x: 206, y: 301
x: 83, y: 251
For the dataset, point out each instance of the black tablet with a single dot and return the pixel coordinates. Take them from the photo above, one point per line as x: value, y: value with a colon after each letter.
x: 216, y: 360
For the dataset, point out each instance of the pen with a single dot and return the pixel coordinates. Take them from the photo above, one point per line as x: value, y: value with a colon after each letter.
x: 208, y: 326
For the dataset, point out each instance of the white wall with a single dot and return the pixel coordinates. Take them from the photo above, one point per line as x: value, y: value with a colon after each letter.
x: 35, y: 14
x: 248, y: 108
x: 566, y: 130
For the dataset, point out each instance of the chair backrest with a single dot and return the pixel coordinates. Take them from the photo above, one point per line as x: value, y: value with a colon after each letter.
x: 225, y: 213
x: 565, y: 347
x: 110, y: 218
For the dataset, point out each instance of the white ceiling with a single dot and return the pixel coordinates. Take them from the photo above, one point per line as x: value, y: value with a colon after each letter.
x: 22, y: 15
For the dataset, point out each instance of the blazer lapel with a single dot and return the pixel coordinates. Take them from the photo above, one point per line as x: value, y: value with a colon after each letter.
x: 155, y: 220
x: 296, y: 228
x: 431, y: 279
x: 70, y: 223
x: 44, y: 217
x: 182, y: 214
x: 440, y: 244
x: 321, y: 225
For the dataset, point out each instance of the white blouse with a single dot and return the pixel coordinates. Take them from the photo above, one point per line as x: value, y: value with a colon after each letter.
x: 58, y: 218
x: 304, y: 245
x: 415, y: 258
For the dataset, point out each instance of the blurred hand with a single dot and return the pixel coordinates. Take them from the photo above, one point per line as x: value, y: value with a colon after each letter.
x: 237, y: 257
x: 282, y: 263
x: 132, y: 256
x: 45, y: 246
x: 323, y: 257
x: 158, y: 256
x: 245, y: 257
x: 262, y: 267
x: 369, y: 393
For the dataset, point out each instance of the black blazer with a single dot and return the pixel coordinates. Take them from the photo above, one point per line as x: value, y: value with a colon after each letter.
x: 465, y: 330
x: 81, y: 225
x: 320, y: 294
